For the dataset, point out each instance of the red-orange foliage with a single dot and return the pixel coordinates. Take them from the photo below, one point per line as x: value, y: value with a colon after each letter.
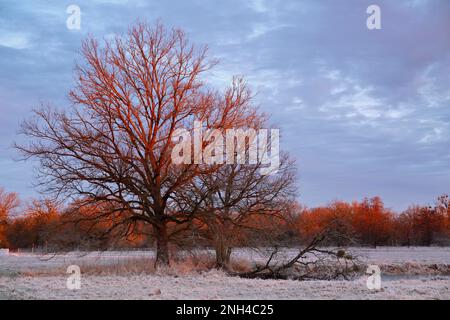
x: 373, y: 222
x: 337, y: 217
x: 8, y: 202
x: 35, y: 227
x: 369, y: 223
x: 365, y: 223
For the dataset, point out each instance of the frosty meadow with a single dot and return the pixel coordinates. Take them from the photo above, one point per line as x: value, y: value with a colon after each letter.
x: 158, y: 171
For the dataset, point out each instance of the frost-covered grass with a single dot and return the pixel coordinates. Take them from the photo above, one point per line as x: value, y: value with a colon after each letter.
x: 129, y: 275
x: 379, y: 255
x: 216, y: 285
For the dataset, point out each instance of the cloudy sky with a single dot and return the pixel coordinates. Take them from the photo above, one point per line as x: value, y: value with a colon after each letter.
x: 365, y: 112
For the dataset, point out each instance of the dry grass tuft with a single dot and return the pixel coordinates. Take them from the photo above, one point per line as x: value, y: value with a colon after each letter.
x: 181, y: 265
x: 240, y: 265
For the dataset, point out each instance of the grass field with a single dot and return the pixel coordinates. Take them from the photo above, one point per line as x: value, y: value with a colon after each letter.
x: 407, y: 273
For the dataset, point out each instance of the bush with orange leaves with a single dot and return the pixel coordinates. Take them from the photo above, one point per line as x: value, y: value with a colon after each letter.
x: 337, y: 218
x: 35, y: 227
x: 8, y: 202
x: 366, y: 223
x: 369, y: 223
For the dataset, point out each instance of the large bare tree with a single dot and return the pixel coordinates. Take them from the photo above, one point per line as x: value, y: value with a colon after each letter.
x: 114, y: 143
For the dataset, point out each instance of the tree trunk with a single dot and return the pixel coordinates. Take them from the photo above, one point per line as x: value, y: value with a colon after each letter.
x: 162, y: 246
x: 222, y: 248
x: 223, y: 253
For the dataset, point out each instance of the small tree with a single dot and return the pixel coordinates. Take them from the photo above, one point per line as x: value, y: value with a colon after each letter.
x: 8, y: 202
x: 373, y: 222
x: 443, y: 208
x: 428, y: 224
x: 404, y: 227
x: 227, y: 200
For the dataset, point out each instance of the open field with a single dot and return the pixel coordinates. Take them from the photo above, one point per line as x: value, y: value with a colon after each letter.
x: 407, y: 273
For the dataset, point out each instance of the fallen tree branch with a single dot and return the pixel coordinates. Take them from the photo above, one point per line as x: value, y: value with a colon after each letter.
x: 323, y: 264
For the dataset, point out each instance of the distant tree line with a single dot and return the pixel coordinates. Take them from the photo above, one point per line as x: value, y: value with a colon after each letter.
x: 45, y: 225
x: 369, y: 223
